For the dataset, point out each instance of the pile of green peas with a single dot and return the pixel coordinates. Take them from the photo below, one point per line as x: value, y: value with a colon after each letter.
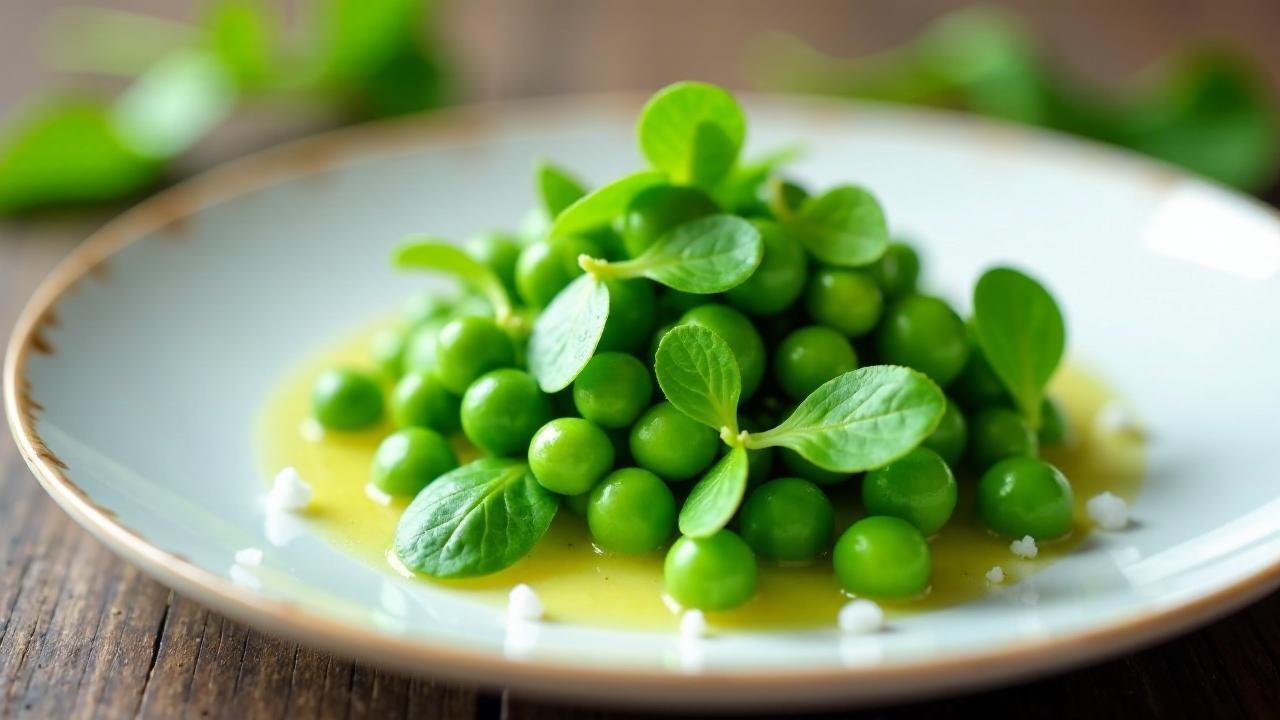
x: 623, y: 459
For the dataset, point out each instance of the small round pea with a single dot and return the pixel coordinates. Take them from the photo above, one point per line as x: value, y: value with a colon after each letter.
x: 577, y: 504
x: 673, y: 445
x: 883, y: 557
x: 633, y: 314
x: 759, y: 465
x: 924, y: 333
x: 612, y: 390
x: 469, y: 347
x: 346, y: 400
x: 717, y: 572
x: 797, y: 465
x: 918, y: 487
x: 658, y: 209
x: 425, y: 306
x: 387, y: 349
x: 951, y: 437
x: 739, y: 334
x: 809, y: 357
x: 787, y: 519
x: 1021, y: 496
x: 502, y: 410
x: 780, y: 278
x: 421, y: 400
x: 631, y: 511
x: 408, y: 459
x: 998, y: 433
x: 500, y: 252
x: 1053, y: 423
x: 897, y: 271
x: 568, y: 455
x: 540, y: 273
x: 978, y: 387
x: 847, y: 300
x: 420, y: 347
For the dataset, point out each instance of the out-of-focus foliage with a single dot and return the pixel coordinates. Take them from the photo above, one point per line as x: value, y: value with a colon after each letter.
x: 362, y: 58
x: 1203, y: 109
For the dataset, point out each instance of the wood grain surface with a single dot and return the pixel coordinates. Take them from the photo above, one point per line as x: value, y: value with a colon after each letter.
x: 83, y: 634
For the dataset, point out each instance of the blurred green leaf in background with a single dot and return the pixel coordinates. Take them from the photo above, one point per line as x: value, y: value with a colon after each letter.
x: 1204, y: 109
x: 357, y: 58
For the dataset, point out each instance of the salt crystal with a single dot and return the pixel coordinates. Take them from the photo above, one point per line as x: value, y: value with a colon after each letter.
x: 860, y: 616
x: 289, y: 491
x: 995, y: 575
x: 1025, y: 548
x: 693, y: 625
x: 523, y: 604
x: 1108, y: 511
x: 249, y: 556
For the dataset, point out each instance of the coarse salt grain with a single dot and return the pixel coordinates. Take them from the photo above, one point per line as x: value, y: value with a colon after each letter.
x: 860, y: 616
x: 693, y: 625
x: 1108, y: 511
x: 1025, y: 548
x: 289, y: 491
x: 524, y: 604
x: 249, y: 556
x: 995, y: 575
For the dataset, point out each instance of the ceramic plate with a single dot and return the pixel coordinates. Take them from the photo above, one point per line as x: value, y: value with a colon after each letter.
x: 135, y: 375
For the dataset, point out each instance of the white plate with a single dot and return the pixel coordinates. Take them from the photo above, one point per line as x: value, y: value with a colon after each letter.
x: 134, y: 376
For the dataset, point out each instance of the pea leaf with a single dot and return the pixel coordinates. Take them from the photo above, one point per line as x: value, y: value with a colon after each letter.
x: 557, y: 189
x: 860, y: 420
x: 716, y: 497
x: 174, y: 103
x: 692, y: 131
x: 566, y: 334
x: 242, y: 34
x: 1021, y: 333
x: 707, y: 255
x: 600, y: 206
x: 843, y: 226
x: 699, y: 375
x: 475, y: 520
x: 434, y: 254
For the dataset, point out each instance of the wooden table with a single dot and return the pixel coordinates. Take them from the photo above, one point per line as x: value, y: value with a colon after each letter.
x: 84, y: 634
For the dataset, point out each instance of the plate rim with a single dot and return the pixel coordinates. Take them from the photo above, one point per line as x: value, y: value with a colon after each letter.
x: 334, y: 149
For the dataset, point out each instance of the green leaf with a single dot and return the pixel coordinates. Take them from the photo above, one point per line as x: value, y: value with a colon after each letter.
x: 175, y: 103
x: 242, y: 35
x: 716, y: 497
x: 860, y: 420
x: 699, y: 375
x: 843, y: 226
x: 741, y: 188
x: 692, y: 131
x: 439, y: 255
x: 1021, y: 333
x: 565, y: 335
x: 703, y: 256
x: 557, y: 189
x: 475, y: 520
x: 602, y: 205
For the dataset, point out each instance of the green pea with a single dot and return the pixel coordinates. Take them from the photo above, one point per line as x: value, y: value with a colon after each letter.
x: 951, y: 437
x: 795, y: 464
x: 633, y: 314
x: 883, y: 557
x: 787, y: 519
x: 612, y: 390
x: 847, y: 300
x: 998, y: 433
x: 346, y: 400
x: 918, y: 488
x: 673, y: 445
x: 653, y: 342
x: 500, y: 252
x: 426, y: 306
x: 658, y: 209
x: 780, y: 278
x: 1021, y: 496
x: 577, y: 504
x: 540, y: 273
x: 739, y: 334
x: 674, y: 303
x: 809, y: 357
x: 1053, y: 423
x: 631, y: 511
x: 421, y: 400
x: 897, y: 271
x: 408, y: 459
x: 469, y: 347
x: 759, y: 465
x: 568, y: 455
x: 387, y: 349
x: 420, y: 347
x: 502, y: 410
x: 717, y: 572
x: 978, y: 387
x: 924, y: 333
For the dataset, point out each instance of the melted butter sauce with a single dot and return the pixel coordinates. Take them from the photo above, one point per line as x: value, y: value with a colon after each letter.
x: 580, y: 584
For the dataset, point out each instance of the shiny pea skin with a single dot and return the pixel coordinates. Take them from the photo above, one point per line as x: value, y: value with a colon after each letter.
x: 631, y: 511
x: 779, y: 280
x: 924, y: 333
x: 998, y: 433
x: 796, y: 464
x: 951, y: 437
x: 671, y: 444
x: 502, y: 410
x: 809, y: 357
x: 469, y: 347
x: 387, y: 349
x: 612, y: 390
x: 978, y: 387
x: 917, y: 487
x: 897, y: 271
x: 713, y: 573
x: 1021, y: 496
x: 408, y: 459
x: 421, y: 400
x: 739, y: 334
x: 787, y: 519
x: 848, y: 301
x: 658, y: 209
x: 883, y: 557
x: 569, y: 455
x: 346, y: 400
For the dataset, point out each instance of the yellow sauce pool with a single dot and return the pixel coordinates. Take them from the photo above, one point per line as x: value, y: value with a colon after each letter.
x: 579, y: 584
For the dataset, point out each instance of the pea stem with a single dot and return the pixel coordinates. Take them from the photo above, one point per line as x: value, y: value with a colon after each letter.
x: 599, y: 269
x: 733, y: 437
